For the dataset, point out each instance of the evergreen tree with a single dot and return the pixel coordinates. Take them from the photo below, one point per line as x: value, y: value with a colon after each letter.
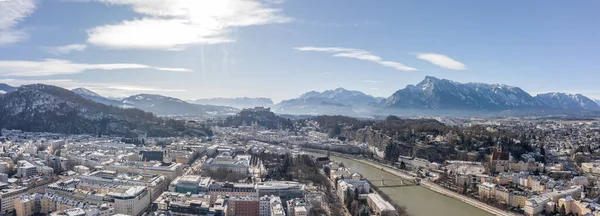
x: 563, y: 210
x: 327, y: 171
x: 348, y: 198
x: 542, y: 151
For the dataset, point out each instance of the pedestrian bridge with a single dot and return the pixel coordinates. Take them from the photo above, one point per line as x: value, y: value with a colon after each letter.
x: 393, y: 182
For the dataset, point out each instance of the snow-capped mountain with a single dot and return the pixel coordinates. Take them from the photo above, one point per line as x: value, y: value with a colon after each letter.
x: 4, y: 88
x: 337, y: 101
x: 558, y: 100
x: 86, y: 93
x: 240, y: 103
x: 46, y: 108
x: 163, y: 105
x: 442, y: 94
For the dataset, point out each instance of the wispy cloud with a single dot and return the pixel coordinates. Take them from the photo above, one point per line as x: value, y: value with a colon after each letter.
x: 57, y: 66
x: 66, y: 49
x: 442, y: 61
x: 358, y: 54
x: 11, y: 13
x: 177, y: 24
x: 102, y: 88
x: 373, y: 81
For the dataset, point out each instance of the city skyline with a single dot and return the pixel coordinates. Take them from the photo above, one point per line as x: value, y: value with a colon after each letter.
x: 281, y: 49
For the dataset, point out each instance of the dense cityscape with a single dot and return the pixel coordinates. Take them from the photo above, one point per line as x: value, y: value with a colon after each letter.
x: 509, y: 167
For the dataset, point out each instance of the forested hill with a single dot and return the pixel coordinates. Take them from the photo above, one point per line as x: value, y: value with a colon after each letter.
x: 46, y: 108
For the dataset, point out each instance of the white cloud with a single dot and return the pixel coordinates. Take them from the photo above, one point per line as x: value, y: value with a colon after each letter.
x: 358, y: 54
x: 373, y: 81
x: 176, y: 24
x: 11, y: 13
x: 442, y: 61
x: 102, y: 88
x: 58, y: 66
x: 66, y: 49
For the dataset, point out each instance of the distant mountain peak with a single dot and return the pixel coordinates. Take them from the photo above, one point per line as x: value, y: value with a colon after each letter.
x: 560, y: 100
x: 84, y: 91
x: 5, y: 88
x: 333, y: 101
x: 443, y: 94
x: 165, y: 105
x: 431, y: 79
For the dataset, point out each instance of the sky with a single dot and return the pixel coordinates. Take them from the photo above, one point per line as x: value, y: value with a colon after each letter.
x: 280, y: 49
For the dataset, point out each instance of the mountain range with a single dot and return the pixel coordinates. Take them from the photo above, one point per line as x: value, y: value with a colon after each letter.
x: 83, y: 92
x: 330, y: 102
x: 430, y: 96
x: 441, y: 94
x: 163, y: 105
x: 557, y: 100
x: 45, y: 108
x: 158, y: 104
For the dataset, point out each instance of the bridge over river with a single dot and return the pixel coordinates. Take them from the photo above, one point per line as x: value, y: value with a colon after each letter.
x: 418, y: 200
x: 393, y: 182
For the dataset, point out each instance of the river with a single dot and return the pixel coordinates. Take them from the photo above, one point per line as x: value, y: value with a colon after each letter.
x: 419, y: 201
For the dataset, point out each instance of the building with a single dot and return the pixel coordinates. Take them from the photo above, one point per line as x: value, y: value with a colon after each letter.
x: 152, y: 155
x: 487, y: 190
x: 499, y: 160
x: 535, y: 205
x: 170, y: 171
x: 243, y: 206
x: 182, y: 204
x: 226, y: 162
x: 574, y: 207
x: 362, y: 185
x: 229, y: 189
x: 187, y: 183
x: 25, y: 169
x: 518, y: 199
x: 8, y: 197
x: 380, y: 206
x: 276, y: 207
x: 502, y: 195
x: 342, y: 189
x: 27, y: 205
x: 284, y: 189
x: 81, y: 169
x: 265, y: 205
x: 591, y: 168
x: 573, y: 191
x: 298, y: 207
x: 132, y: 201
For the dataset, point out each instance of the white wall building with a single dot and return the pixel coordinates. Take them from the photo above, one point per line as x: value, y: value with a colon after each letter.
x: 133, y: 201
x: 25, y: 169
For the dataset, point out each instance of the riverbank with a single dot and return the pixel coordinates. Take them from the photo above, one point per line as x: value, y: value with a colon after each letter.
x: 426, y: 184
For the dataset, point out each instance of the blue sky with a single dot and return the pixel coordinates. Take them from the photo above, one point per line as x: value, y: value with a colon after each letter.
x: 280, y: 49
